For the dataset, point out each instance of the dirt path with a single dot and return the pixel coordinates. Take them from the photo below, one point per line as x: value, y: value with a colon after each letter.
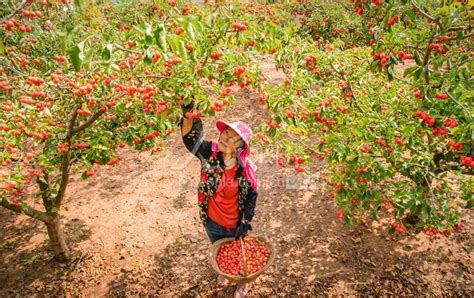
x: 134, y: 230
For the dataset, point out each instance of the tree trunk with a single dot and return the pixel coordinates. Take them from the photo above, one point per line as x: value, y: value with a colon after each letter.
x: 58, y: 243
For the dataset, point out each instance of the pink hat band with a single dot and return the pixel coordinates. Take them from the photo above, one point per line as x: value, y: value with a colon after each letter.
x: 242, y: 129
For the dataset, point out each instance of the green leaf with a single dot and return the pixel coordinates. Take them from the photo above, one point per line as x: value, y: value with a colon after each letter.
x: 160, y: 36
x: 470, y: 204
x: 191, y: 31
x: 88, y: 58
x: 76, y: 55
x: 182, y: 50
x: 107, y: 52
x: 148, y: 56
x: 418, y: 72
x: 410, y: 70
x: 410, y: 13
x: 148, y: 35
x: 272, y: 132
x: 417, y: 58
x: 78, y: 3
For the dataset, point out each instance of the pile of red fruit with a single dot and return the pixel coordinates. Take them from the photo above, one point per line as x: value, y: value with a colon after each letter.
x: 230, y: 260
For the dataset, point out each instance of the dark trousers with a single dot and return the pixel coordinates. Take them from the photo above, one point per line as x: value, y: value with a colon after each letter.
x: 215, y: 231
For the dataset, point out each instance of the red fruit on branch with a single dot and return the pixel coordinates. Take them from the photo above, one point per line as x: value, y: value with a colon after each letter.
x: 240, y: 26
x: 366, y: 148
x: 442, y: 39
x: 404, y: 56
x: 441, y: 96
x: 131, y: 43
x: 381, y: 142
x: 341, y: 109
x: 455, y: 146
x: 399, y: 141
x: 340, y: 214
x: 226, y: 91
x: 216, y: 55
x: 179, y: 30
x: 417, y: 93
x: 239, y: 71
x: 290, y: 114
x: 63, y: 148
x: 393, y: 20
x: 81, y: 145
x: 155, y: 58
x: 60, y: 59
x: 450, y: 123
x: 399, y: 228
x: 439, y: 131
x: 467, y: 161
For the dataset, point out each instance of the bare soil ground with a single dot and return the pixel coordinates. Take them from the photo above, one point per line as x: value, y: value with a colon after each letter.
x: 134, y: 230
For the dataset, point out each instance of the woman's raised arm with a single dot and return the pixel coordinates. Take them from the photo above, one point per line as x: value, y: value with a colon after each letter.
x: 192, y: 132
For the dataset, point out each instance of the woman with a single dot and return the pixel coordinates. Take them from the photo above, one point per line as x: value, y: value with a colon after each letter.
x: 227, y: 191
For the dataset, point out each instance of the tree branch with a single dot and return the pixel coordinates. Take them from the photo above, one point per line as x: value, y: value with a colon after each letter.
x: 45, y: 195
x: 463, y: 37
x: 26, y: 210
x: 424, y: 13
x: 126, y: 50
x: 88, y: 122
x: 15, y: 11
x: 454, y: 29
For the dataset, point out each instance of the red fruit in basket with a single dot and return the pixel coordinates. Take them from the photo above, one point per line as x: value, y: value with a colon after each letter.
x: 230, y: 260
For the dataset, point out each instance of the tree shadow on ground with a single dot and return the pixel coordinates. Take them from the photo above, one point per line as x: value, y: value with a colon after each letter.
x: 27, y: 258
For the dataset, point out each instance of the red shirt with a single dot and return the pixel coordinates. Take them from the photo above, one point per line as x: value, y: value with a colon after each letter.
x: 224, y: 207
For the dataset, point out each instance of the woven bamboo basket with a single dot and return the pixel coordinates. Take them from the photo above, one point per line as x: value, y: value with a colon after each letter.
x: 240, y: 279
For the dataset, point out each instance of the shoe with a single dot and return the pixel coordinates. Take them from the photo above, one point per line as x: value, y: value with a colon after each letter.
x: 241, y: 291
x: 221, y: 280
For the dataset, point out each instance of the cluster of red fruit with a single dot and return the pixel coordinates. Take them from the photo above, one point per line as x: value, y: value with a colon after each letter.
x: 340, y: 214
x: 467, y: 161
x: 63, y: 148
x: 441, y: 96
x: 399, y: 228
x: 366, y: 148
x: 242, y: 26
x: 393, y: 20
x: 218, y: 105
x: 273, y: 123
x: 430, y: 121
x: 4, y: 84
x: 216, y: 55
x: 230, y: 259
x: 35, y: 81
x: 417, y: 93
x: 382, y: 57
x: 323, y: 120
x: 297, y: 161
x: 14, y: 23
x: 310, y: 61
x: 437, y: 48
x: 433, y: 232
x: 404, y: 56
x: 31, y: 14
x: 455, y: 146
x: 193, y: 115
